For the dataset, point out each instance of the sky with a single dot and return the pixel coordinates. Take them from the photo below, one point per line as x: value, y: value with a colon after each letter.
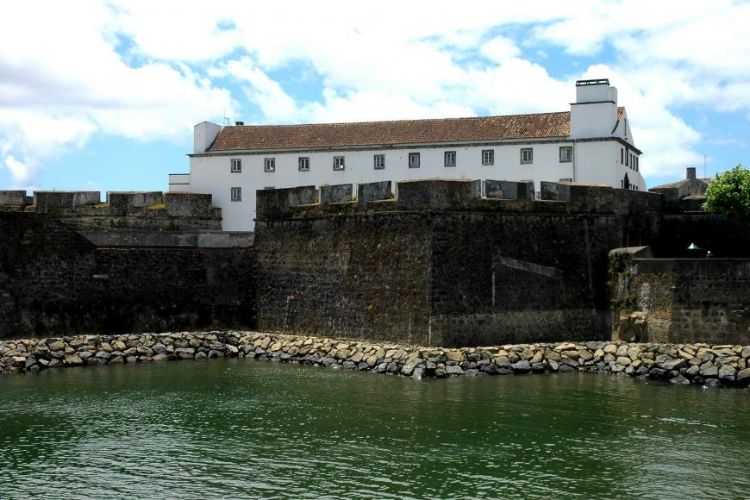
x: 104, y: 94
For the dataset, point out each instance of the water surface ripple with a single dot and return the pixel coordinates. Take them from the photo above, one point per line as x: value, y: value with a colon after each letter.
x: 239, y: 428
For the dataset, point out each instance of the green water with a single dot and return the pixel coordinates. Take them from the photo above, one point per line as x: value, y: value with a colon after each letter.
x: 238, y: 428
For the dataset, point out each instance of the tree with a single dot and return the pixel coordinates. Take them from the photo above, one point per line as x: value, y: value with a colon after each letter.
x: 729, y: 193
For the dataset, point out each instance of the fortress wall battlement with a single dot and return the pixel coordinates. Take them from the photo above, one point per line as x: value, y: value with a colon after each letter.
x: 451, y: 195
x: 117, y: 204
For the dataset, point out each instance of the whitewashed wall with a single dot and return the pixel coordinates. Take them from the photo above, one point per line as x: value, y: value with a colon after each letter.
x: 593, y: 162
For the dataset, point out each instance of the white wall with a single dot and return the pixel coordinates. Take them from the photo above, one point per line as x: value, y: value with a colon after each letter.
x: 594, y: 161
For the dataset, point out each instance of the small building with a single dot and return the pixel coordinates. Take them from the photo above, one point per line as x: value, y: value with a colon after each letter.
x: 590, y: 143
x: 687, y: 195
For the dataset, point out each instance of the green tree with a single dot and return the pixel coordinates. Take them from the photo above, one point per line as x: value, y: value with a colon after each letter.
x: 729, y: 193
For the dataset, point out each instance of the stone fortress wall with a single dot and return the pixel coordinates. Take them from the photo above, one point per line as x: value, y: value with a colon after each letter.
x: 437, y: 263
x: 434, y: 262
x: 142, y: 262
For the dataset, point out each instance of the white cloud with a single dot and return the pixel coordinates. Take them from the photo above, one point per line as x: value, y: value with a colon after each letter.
x: 143, y: 69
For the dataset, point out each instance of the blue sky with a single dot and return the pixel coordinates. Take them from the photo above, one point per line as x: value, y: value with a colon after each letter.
x: 107, y: 97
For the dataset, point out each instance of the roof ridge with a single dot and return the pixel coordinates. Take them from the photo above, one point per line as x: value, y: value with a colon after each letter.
x: 368, y: 122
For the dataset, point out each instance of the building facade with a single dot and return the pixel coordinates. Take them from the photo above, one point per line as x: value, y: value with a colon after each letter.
x: 591, y: 143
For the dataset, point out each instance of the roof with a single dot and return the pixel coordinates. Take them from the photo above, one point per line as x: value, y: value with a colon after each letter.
x: 333, y: 135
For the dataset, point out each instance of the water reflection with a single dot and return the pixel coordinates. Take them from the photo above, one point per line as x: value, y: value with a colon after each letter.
x: 235, y: 428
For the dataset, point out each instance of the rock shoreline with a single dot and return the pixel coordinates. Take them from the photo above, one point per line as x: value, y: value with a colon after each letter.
x: 702, y: 364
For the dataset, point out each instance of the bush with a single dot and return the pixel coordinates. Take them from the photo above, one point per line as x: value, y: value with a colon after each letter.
x: 729, y: 193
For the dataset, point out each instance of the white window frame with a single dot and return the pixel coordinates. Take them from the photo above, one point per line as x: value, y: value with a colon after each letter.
x: 303, y: 163
x: 527, y: 156
x: 235, y: 165
x: 339, y: 163
x: 414, y: 160
x: 567, y: 157
x: 488, y: 157
x: 235, y: 193
x: 378, y: 162
x: 449, y: 159
x: 269, y: 164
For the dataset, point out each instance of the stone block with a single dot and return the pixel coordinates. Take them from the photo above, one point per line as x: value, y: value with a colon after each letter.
x: 438, y: 194
x: 374, y: 191
x: 554, y: 191
x: 121, y: 202
x: 509, y: 190
x: 189, y: 205
x: 15, y: 198
x: 56, y: 201
x: 272, y: 203
x: 336, y: 193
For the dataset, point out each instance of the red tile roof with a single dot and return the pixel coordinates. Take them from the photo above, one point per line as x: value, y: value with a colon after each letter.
x: 337, y: 135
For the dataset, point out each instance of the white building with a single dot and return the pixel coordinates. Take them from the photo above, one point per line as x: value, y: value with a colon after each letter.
x: 590, y: 143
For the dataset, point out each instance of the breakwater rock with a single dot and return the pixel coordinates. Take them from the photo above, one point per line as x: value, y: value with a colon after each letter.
x: 676, y: 363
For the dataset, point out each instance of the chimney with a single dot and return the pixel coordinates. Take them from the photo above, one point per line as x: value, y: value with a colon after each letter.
x: 690, y: 174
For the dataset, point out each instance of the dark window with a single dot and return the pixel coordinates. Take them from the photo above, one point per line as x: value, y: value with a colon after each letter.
x: 269, y: 164
x: 566, y: 154
x: 338, y: 163
x: 378, y: 162
x: 527, y: 155
x: 236, y: 166
x: 236, y: 193
x: 488, y: 157
x: 303, y: 163
x: 413, y: 160
x: 449, y: 159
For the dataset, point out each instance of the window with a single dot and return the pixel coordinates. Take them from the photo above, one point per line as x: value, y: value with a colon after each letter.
x: 236, y: 193
x: 622, y: 155
x: 488, y: 157
x: 338, y: 163
x: 269, y: 164
x: 627, y: 155
x: 413, y: 160
x: 378, y: 161
x: 236, y: 166
x: 450, y: 159
x: 303, y: 163
x: 527, y: 155
x: 566, y: 154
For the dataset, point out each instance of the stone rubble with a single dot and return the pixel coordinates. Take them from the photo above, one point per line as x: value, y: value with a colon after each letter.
x: 703, y: 364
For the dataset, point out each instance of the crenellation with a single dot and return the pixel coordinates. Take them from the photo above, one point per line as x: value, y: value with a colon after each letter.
x: 443, y: 194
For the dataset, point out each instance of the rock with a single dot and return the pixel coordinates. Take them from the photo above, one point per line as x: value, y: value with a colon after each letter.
x: 521, y: 366
x: 410, y: 365
x: 585, y: 355
x: 674, y: 364
x: 565, y: 346
x: 57, y: 345
x: 692, y: 371
x: 453, y: 370
x: 623, y: 360
x: 418, y: 373
x: 709, y: 370
x: 610, y: 349
x: 454, y: 355
x: 727, y: 373
x: 362, y: 366
x: 711, y: 382
x: 349, y: 365
x: 743, y: 375
x: 658, y: 373
x: 538, y: 367
x: 392, y: 367
x: 160, y: 357
x: 440, y: 373
x: 73, y: 359
x: 554, y: 365
x: 679, y: 379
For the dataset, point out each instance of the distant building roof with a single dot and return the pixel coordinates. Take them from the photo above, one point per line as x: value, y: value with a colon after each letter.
x: 325, y: 135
